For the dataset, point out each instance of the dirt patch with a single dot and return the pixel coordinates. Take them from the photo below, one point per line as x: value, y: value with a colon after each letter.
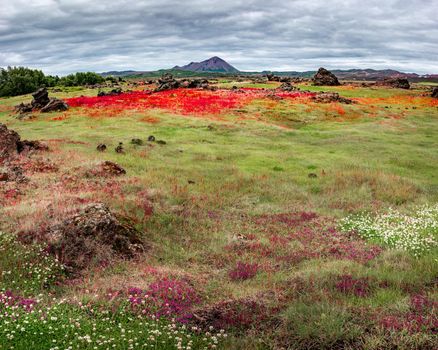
x: 106, y: 169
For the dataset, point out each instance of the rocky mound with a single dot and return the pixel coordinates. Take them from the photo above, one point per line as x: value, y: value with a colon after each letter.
x: 435, y: 92
x: 287, y: 87
x: 94, y: 234
x: 272, y: 77
x: 167, y: 82
x: 325, y: 78
x: 11, y: 145
x: 113, y: 92
x: 42, y: 102
x: 194, y: 83
x: 397, y: 83
x: 328, y: 97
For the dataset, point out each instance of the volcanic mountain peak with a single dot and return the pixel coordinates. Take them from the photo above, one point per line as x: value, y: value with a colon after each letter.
x: 213, y: 64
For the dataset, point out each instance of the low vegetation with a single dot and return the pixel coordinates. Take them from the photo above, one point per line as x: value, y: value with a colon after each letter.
x: 266, y: 220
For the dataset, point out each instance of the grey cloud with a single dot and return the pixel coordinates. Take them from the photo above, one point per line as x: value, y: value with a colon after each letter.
x: 62, y: 36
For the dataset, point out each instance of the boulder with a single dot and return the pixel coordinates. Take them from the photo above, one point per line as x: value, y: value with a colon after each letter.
x: 54, y: 105
x: 40, y: 98
x: 94, y: 234
x: 8, y: 142
x: 435, y: 92
x: 11, y: 145
x: 325, y: 78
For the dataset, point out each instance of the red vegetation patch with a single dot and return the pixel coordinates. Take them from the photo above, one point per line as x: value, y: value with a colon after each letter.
x: 185, y: 101
x: 243, y: 271
x: 165, y: 298
x: 238, y: 314
x: 421, y: 317
x: 359, y: 287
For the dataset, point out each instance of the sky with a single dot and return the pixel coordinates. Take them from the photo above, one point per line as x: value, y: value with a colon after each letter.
x: 65, y: 36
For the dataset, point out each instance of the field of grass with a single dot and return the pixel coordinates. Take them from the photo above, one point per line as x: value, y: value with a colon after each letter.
x: 281, y: 221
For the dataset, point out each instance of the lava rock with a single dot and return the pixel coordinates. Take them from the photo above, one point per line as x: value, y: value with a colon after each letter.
x: 329, y: 97
x: 151, y: 138
x: 93, y: 234
x: 41, y: 102
x: 435, y: 92
x: 287, y: 87
x: 137, y: 142
x: 113, y: 92
x: 119, y: 148
x: 167, y: 82
x: 325, y: 78
x: 101, y: 147
x: 397, y: 83
x: 8, y: 142
x: 54, y: 105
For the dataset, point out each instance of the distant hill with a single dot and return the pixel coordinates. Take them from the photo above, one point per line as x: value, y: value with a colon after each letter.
x: 217, y: 67
x: 214, y: 64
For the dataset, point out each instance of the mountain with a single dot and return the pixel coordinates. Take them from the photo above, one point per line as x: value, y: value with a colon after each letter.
x: 214, y: 64
x: 216, y: 67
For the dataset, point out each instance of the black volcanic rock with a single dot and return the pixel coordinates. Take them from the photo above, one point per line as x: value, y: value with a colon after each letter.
x: 397, y: 83
x: 325, y: 78
x: 435, y: 92
x: 214, y: 64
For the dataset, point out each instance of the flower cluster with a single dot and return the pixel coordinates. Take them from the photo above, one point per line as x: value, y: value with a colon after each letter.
x: 416, y: 233
x: 61, y: 325
x: 28, y: 268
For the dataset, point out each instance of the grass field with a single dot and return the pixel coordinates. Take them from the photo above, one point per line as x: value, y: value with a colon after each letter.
x: 308, y: 226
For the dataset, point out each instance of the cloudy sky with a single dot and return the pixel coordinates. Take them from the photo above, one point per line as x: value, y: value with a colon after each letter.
x: 63, y: 36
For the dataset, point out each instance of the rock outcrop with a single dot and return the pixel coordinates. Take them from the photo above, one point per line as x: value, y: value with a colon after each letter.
x: 167, y: 82
x: 328, y: 97
x: 41, y: 102
x: 325, y: 78
x: 397, y: 83
x: 11, y: 145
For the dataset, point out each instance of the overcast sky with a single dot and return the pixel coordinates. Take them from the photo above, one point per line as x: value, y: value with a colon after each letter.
x: 63, y: 36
